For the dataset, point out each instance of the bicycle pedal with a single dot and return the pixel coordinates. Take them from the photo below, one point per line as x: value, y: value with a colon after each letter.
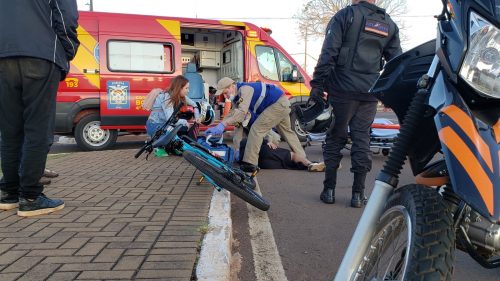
x: 200, y: 180
x: 254, y: 173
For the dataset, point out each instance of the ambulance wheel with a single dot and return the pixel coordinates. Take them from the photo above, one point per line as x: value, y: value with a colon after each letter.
x: 90, y: 137
x: 301, y: 134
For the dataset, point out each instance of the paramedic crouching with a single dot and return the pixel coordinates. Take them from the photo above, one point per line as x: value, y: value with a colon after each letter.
x: 264, y: 107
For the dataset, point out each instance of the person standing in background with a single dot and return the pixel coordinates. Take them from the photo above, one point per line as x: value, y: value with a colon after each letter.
x: 38, y: 39
x: 358, y: 37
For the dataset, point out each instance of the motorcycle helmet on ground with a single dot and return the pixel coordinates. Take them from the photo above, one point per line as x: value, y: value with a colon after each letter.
x: 186, y: 112
x: 207, y: 114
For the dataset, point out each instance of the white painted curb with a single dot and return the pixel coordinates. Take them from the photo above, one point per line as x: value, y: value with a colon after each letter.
x: 66, y: 140
x: 215, y: 255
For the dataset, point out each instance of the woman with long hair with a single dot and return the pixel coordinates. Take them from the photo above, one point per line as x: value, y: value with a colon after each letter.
x: 163, y: 108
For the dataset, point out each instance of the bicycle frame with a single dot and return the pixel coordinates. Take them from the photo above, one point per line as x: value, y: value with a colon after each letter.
x: 215, y: 170
x: 206, y: 155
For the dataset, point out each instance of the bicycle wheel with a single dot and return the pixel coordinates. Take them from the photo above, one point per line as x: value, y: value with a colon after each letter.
x: 241, y: 190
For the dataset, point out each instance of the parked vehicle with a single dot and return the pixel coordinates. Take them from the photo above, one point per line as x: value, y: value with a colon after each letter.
x: 452, y: 117
x: 122, y: 57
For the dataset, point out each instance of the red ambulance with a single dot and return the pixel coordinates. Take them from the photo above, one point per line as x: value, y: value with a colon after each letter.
x: 123, y: 56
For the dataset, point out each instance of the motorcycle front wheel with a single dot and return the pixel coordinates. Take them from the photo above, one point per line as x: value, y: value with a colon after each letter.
x: 414, y: 239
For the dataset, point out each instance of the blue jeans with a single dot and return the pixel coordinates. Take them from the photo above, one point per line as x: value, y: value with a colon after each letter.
x: 28, y: 88
x: 151, y: 127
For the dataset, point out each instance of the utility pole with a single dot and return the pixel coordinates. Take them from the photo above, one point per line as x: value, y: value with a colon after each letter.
x: 305, y: 51
x: 305, y: 36
x: 91, y: 5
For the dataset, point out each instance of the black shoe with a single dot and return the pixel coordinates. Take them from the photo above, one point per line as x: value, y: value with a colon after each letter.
x: 39, y: 206
x: 248, y: 168
x: 358, y: 200
x: 328, y: 196
x: 8, y: 201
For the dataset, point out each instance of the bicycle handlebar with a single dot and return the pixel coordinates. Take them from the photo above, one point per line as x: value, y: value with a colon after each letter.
x: 141, y: 151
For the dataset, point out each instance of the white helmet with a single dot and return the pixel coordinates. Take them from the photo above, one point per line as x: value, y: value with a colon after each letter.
x: 207, y: 114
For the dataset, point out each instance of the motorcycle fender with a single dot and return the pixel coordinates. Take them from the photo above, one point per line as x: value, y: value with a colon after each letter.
x: 471, y: 150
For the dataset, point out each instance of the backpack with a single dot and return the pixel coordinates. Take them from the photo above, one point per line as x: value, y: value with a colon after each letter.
x: 149, y: 100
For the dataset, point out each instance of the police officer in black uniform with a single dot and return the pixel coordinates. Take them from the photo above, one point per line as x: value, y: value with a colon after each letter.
x: 358, y: 37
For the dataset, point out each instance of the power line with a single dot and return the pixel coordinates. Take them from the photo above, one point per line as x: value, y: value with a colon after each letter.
x: 293, y: 18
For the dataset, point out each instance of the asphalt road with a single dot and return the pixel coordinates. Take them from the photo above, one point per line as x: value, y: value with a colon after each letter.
x: 311, y: 236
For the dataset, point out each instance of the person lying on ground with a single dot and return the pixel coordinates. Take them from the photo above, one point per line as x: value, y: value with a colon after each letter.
x: 273, y: 157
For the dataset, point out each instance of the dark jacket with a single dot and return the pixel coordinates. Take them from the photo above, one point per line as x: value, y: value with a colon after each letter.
x: 44, y: 29
x: 357, y: 39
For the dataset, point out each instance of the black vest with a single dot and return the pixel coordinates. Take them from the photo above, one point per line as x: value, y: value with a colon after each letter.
x: 369, y: 30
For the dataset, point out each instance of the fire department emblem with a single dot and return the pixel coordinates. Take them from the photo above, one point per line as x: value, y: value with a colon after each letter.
x: 118, y: 94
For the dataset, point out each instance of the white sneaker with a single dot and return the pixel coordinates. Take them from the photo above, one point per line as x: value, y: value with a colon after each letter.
x: 316, y: 167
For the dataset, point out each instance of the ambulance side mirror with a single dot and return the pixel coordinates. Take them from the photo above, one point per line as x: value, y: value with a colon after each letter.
x: 295, y: 77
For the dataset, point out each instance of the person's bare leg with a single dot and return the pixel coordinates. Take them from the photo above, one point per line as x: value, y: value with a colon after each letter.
x: 297, y: 158
x: 311, y: 167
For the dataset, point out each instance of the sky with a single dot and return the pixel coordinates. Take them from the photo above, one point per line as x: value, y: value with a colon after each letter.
x: 275, y: 14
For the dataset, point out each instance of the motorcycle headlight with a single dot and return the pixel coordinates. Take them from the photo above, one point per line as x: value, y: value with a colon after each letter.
x: 481, y: 66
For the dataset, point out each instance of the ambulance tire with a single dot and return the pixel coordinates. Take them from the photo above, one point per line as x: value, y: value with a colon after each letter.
x: 301, y: 134
x: 90, y: 137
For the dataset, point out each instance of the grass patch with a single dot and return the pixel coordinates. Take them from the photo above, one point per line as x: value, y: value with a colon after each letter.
x: 204, y: 228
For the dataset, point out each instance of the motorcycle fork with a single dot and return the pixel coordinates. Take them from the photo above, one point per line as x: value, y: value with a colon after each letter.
x: 364, y: 231
x: 386, y: 182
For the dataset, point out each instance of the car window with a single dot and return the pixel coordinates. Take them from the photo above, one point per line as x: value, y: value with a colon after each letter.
x: 267, y: 62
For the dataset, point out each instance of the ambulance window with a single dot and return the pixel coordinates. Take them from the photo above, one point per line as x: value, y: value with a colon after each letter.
x: 139, y: 56
x: 267, y: 62
x: 285, y: 67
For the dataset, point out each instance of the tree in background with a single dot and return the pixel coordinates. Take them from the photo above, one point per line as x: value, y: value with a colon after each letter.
x: 315, y: 15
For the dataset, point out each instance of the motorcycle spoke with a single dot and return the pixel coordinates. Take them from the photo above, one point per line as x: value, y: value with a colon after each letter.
x: 386, y: 257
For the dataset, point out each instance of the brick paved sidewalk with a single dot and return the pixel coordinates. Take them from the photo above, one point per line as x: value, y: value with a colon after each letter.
x: 125, y: 218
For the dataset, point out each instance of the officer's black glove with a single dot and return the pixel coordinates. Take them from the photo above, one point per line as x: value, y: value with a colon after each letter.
x: 317, y: 95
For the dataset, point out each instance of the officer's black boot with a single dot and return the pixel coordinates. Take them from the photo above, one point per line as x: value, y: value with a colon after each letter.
x: 328, y: 193
x: 328, y: 196
x: 358, y: 198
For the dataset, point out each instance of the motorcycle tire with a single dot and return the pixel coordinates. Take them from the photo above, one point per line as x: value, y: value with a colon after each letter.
x: 419, y: 224
x: 244, y: 191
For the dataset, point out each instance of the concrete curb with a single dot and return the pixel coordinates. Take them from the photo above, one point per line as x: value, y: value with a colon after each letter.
x: 215, y: 255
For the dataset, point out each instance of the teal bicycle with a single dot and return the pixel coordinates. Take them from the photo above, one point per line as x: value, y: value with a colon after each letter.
x: 214, y: 169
